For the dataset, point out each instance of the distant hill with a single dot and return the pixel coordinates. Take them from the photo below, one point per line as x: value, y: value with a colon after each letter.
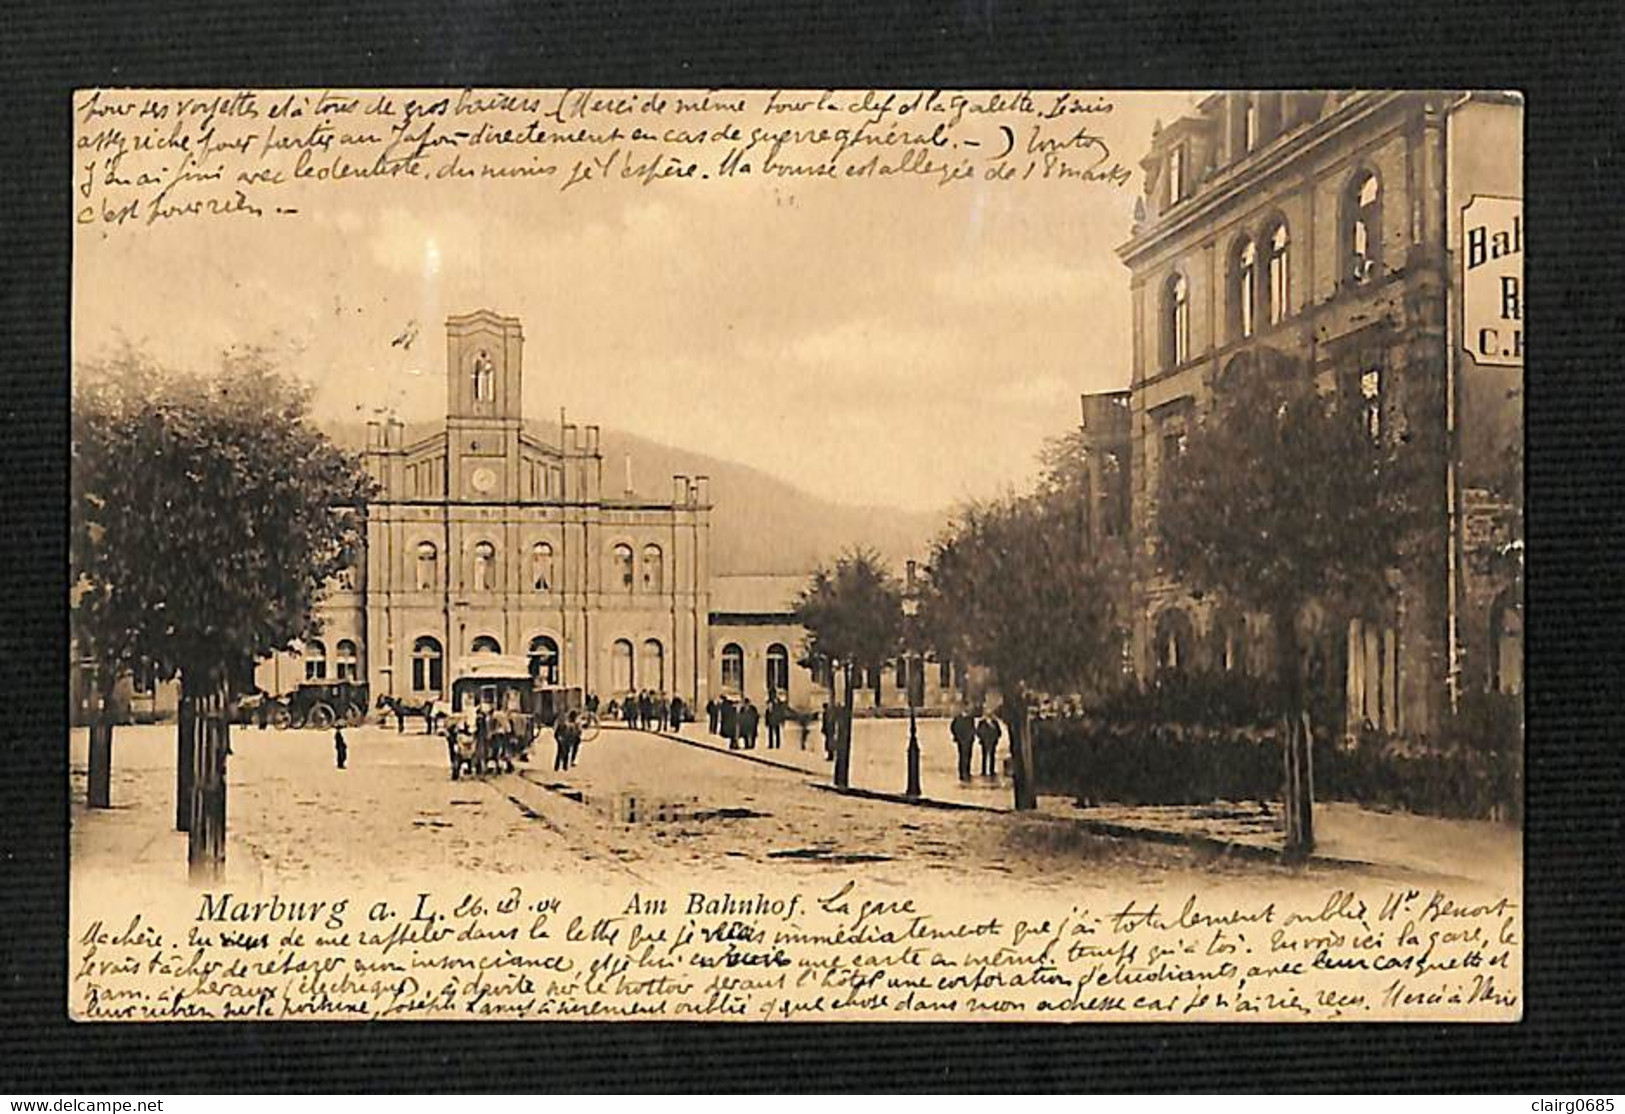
x: 761, y: 524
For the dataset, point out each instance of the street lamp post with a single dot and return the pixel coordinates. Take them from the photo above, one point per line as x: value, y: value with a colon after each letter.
x: 911, y: 608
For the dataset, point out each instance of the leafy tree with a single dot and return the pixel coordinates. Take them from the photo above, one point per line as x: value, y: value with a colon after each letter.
x: 208, y: 515
x: 853, y: 615
x: 1282, y: 497
x: 1014, y: 587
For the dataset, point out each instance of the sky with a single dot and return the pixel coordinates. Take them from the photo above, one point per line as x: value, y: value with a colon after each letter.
x: 886, y: 343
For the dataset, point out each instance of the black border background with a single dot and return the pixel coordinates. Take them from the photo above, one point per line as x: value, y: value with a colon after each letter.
x: 1567, y: 60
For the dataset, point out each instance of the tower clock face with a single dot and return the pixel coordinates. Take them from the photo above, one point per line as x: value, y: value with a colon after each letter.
x: 483, y: 480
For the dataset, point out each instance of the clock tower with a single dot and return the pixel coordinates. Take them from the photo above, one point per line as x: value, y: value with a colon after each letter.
x: 484, y: 360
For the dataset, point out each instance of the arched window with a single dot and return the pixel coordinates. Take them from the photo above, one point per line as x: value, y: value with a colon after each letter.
x: 778, y: 669
x: 733, y: 668
x: 1173, y: 641
x: 1176, y: 321
x: 544, y: 660
x: 1249, y: 122
x: 1229, y: 642
x: 621, y: 569
x: 1244, y: 289
x: 428, y: 665
x: 620, y: 666
x: 485, y: 644
x: 346, y: 662
x: 315, y: 660
x: 1362, y: 226
x: 428, y: 566
x: 541, y: 567
x: 654, y: 570
x: 652, y: 666
x: 485, y: 567
x: 1279, y: 282
x: 1176, y: 174
x: 485, y: 386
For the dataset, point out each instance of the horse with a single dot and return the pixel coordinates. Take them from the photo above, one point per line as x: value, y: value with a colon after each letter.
x: 402, y: 709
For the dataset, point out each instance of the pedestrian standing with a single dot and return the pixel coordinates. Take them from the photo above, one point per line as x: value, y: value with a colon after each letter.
x: 629, y: 709
x: 662, y: 712
x: 988, y: 734
x: 677, y: 712
x: 963, y: 730
x: 561, y: 742
x: 775, y: 723
x: 750, y: 718
x: 341, y: 751
x: 711, y: 725
x: 728, y: 714
x: 826, y: 728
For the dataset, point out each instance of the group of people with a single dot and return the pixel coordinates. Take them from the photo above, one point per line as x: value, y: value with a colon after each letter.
x: 740, y: 722
x: 566, y: 739
x: 968, y: 729
x: 650, y: 711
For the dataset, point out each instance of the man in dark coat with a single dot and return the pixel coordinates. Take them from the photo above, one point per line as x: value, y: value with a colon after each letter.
x: 988, y: 734
x: 826, y: 728
x: 728, y: 715
x: 711, y: 724
x: 963, y: 729
x: 775, y: 723
x: 749, y: 719
x: 677, y: 711
x: 340, y: 750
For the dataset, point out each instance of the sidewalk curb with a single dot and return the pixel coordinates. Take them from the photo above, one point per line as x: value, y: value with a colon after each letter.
x: 1227, y: 847
x: 741, y: 754
x: 905, y: 799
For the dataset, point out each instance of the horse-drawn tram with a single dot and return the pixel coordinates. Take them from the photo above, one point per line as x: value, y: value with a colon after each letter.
x: 497, y: 710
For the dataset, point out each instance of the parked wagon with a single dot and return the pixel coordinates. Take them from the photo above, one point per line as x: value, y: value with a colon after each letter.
x: 318, y: 704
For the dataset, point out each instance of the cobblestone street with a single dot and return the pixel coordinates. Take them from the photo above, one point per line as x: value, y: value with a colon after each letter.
x: 638, y: 808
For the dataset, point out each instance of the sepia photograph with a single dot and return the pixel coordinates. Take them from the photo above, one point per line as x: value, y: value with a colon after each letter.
x: 796, y: 555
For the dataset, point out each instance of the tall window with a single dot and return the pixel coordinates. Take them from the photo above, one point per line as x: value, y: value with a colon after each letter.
x: 428, y: 566
x: 652, y: 666
x: 1249, y: 123
x: 485, y: 644
x: 541, y: 567
x: 346, y: 662
x: 1363, y: 226
x: 778, y: 669
x: 544, y: 660
x: 1278, y: 277
x: 1371, y: 403
x: 654, y: 571
x: 1176, y: 322
x: 428, y: 665
x: 1173, y: 641
x: 1244, y: 289
x: 1176, y: 174
x: 733, y: 668
x: 485, y: 386
x: 485, y: 567
x: 620, y: 666
x: 621, y: 568
x: 315, y: 660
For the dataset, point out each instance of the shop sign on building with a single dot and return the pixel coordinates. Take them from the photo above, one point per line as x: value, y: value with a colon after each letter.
x: 1492, y: 280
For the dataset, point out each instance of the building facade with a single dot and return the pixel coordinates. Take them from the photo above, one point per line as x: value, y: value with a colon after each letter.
x: 1326, y: 231
x: 487, y: 537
